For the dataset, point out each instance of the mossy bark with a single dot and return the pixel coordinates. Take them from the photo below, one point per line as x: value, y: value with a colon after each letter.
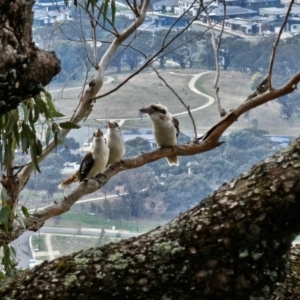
x: 233, y: 245
x: 24, y: 68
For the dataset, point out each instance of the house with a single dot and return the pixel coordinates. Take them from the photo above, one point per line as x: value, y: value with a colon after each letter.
x: 217, y: 14
x: 257, y: 4
x: 46, y: 12
x: 278, y: 15
x: 165, y: 5
x: 168, y: 21
x: 240, y: 24
x: 190, y: 5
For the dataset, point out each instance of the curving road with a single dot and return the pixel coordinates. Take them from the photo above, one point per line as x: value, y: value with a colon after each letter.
x: 191, y: 86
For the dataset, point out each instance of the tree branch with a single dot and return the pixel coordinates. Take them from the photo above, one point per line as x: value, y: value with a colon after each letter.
x: 85, y: 105
x: 209, y: 141
x: 187, y: 107
x: 233, y: 245
x: 276, y: 44
x: 216, y: 46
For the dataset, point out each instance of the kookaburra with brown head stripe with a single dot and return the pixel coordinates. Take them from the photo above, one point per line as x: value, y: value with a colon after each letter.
x: 115, y: 142
x: 165, y: 128
x: 93, y: 163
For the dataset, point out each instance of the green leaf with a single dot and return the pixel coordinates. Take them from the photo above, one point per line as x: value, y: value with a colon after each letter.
x: 36, y: 114
x: 16, y: 134
x: 12, y: 251
x: 25, y: 211
x: 68, y: 125
x: 53, y: 111
x: 42, y: 106
x: 4, y: 195
x: 105, y: 9
x: 48, y: 134
x: 20, y: 218
x: 34, y: 158
x: 4, y: 215
x: 2, y: 276
x: 113, y: 11
x: 39, y: 148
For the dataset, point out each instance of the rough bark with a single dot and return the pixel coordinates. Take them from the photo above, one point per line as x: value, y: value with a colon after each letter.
x: 24, y: 68
x: 233, y: 245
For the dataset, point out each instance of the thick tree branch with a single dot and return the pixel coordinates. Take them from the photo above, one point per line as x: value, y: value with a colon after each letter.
x: 233, y: 245
x: 24, y: 69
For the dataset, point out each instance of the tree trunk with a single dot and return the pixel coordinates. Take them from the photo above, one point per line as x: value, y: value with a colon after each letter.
x: 24, y: 69
x: 233, y: 245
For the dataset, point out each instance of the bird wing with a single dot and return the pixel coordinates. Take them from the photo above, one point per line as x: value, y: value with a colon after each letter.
x: 176, y: 124
x: 85, y: 166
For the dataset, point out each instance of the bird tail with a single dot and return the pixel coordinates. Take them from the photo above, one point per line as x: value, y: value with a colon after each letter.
x: 70, y: 180
x: 173, y: 160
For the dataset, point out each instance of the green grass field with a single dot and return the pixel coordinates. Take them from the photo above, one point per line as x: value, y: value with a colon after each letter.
x: 146, y: 88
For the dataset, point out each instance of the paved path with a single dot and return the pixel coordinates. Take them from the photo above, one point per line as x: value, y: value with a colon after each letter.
x: 191, y: 86
x: 49, y: 246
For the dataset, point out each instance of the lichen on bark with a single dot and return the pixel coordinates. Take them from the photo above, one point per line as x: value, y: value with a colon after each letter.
x: 232, y: 245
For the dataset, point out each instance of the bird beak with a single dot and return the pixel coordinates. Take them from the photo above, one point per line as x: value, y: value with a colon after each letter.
x: 147, y: 110
x: 110, y: 125
x: 98, y: 133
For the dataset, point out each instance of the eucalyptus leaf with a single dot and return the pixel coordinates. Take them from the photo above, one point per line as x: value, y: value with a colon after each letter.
x: 4, y: 195
x: 113, y: 11
x: 68, y: 125
x: 105, y: 9
x: 34, y: 158
x: 4, y: 214
x: 25, y: 211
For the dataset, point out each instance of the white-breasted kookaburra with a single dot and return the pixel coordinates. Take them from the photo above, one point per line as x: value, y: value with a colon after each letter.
x: 165, y: 128
x: 115, y: 142
x: 93, y: 163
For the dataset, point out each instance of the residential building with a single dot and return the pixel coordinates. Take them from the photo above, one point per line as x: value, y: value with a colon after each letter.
x: 46, y: 12
x: 257, y: 4
x: 165, y: 5
x: 217, y: 14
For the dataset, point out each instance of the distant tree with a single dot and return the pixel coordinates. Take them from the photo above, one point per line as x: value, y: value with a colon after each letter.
x: 182, y: 191
x: 231, y: 48
x: 134, y: 187
x: 46, y: 181
x: 215, y: 170
x: 136, y: 146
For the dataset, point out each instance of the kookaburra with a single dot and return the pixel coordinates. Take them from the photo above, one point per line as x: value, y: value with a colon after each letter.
x: 115, y: 142
x: 93, y: 163
x: 165, y: 128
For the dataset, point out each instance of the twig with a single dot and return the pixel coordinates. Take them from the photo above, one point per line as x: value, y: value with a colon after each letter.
x: 216, y: 47
x: 276, y: 44
x: 179, y: 98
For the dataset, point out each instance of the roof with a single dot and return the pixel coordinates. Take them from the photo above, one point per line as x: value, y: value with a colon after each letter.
x: 262, y: 19
x: 261, y: 1
x: 280, y: 11
x: 231, y: 10
x: 166, y: 3
x: 238, y: 21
